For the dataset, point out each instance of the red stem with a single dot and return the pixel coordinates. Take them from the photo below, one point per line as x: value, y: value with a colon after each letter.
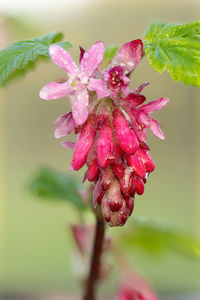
x: 90, y: 292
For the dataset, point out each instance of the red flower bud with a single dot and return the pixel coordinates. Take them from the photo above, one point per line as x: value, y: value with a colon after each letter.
x: 115, y: 199
x: 105, y: 146
x: 139, y: 185
x: 136, y: 164
x: 131, y: 185
x: 83, y: 145
x: 130, y: 204
x: 125, y: 183
x: 107, y: 178
x: 97, y: 193
x: 146, y: 160
x: 105, y: 208
x: 93, y: 171
x: 125, y: 136
x: 118, y: 170
x: 119, y: 218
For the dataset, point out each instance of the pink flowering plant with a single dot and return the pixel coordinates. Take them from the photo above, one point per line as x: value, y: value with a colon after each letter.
x: 110, y: 122
x: 110, y: 119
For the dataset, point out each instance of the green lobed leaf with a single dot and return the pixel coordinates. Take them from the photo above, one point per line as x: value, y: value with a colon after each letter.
x: 50, y: 184
x: 156, y: 238
x: 21, y: 56
x: 177, y: 48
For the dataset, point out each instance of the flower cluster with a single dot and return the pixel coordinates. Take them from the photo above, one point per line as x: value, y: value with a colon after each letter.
x: 110, y: 122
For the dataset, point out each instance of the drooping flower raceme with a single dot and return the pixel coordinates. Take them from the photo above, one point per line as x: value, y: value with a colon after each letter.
x: 110, y: 122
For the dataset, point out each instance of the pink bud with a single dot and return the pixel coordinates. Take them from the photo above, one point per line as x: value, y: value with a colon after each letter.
x: 130, y: 294
x: 92, y: 154
x: 81, y: 237
x: 82, y: 51
x: 93, y: 171
x: 125, y: 136
x: 102, y: 119
x: 105, y: 146
x: 144, y: 146
x: 97, y: 193
x: 124, y: 183
x: 130, y: 204
x: 115, y: 199
x: 139, y: 185
x: 146, y: 160
x: 131, y: 185
x: 107, y: 178
x: 83, y: 145
x: 118, y: 170
x: 136, y: 164
x: 118, y: 153
x: 119, y: 218
x: 105, y: 208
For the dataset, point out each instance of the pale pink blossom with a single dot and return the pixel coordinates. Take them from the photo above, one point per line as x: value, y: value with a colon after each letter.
x: 81, y: 80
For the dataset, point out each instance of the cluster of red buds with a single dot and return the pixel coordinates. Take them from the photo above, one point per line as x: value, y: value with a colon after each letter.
x: 118, y: 162
x: 110, y: 122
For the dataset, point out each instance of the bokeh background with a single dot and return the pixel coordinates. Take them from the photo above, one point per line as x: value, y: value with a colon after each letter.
x: 36, y: 247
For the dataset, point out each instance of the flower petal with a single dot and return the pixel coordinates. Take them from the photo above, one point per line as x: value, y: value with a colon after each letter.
x: 151, y: 124
x: 54, y: 90
x: 60, y: 119
x: 80, y: 107
x: 66, y: 126
x: 129, y: 54
x: 156, y: 130
x: 92, y: 58
x: 154, y: 105
x: 63, y: 59
x: 141, y: 87
x: 82, y: 51
x: 100, y: 87
x: 68, y: 145
x: 133, y: 100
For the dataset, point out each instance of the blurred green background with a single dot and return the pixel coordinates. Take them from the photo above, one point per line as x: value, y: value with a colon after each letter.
x: 37, y: 250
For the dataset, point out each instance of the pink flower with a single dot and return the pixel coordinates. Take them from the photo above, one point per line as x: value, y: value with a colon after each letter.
x: 65, y: 126
x: 140, y: 115
x: 111, y: 138
x: 135, y: 287
x: 117, y: 74
x: 81, y: 80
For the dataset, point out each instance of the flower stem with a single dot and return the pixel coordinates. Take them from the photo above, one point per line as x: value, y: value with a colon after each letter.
x: 95, y: 261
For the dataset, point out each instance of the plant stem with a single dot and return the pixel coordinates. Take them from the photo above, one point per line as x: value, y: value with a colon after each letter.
x: 95, y: 260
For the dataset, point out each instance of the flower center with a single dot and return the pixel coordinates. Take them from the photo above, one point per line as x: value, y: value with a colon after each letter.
x: 79, y: 81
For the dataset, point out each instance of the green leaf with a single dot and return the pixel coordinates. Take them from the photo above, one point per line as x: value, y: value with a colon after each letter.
x: 21, y: 56
x: 50, y: 184
x: 177, y: 48
x: 156, y: 238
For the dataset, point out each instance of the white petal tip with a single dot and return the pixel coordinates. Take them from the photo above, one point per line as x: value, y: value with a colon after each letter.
x: 52, y: 49
x: 43, y: 94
